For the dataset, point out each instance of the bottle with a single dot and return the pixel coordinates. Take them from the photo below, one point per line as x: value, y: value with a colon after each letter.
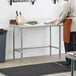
x: 22, y: 18
x: 18, y: 19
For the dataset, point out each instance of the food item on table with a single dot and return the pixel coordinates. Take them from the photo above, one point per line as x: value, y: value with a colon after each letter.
x: 32, y: 22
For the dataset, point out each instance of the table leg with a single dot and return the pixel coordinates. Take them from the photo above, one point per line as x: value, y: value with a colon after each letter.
x: 59, y: 42
x: 21, y: 44
x: 50, y: 41
x: 72, y: 67
x: 13, y: 43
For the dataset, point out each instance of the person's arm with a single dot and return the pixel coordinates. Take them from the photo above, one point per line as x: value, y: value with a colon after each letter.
x: 64, y: 12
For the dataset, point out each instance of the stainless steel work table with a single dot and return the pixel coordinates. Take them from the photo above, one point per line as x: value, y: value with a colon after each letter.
x: 73, y: 59
x: 21, y: 27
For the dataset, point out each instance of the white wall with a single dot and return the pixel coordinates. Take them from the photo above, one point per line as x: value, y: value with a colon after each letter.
x: 42, y: 10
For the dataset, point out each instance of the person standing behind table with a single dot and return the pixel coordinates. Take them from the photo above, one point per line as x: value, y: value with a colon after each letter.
x: 68, y: 13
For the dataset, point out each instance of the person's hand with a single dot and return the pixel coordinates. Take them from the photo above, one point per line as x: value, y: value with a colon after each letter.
x: 55, y: 22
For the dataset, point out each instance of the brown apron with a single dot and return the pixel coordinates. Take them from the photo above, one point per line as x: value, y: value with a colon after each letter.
x: 66, y: 30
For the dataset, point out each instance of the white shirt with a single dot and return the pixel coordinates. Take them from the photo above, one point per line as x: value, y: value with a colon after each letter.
x: 69, y: 10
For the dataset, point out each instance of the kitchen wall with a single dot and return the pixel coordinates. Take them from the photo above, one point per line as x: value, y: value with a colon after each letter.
x: 42, y: 10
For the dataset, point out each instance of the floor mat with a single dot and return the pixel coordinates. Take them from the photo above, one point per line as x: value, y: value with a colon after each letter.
x: 64, y: 63
x: 35, y: 70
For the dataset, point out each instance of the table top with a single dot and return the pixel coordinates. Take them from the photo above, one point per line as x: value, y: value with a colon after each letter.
x: 36, y: 25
